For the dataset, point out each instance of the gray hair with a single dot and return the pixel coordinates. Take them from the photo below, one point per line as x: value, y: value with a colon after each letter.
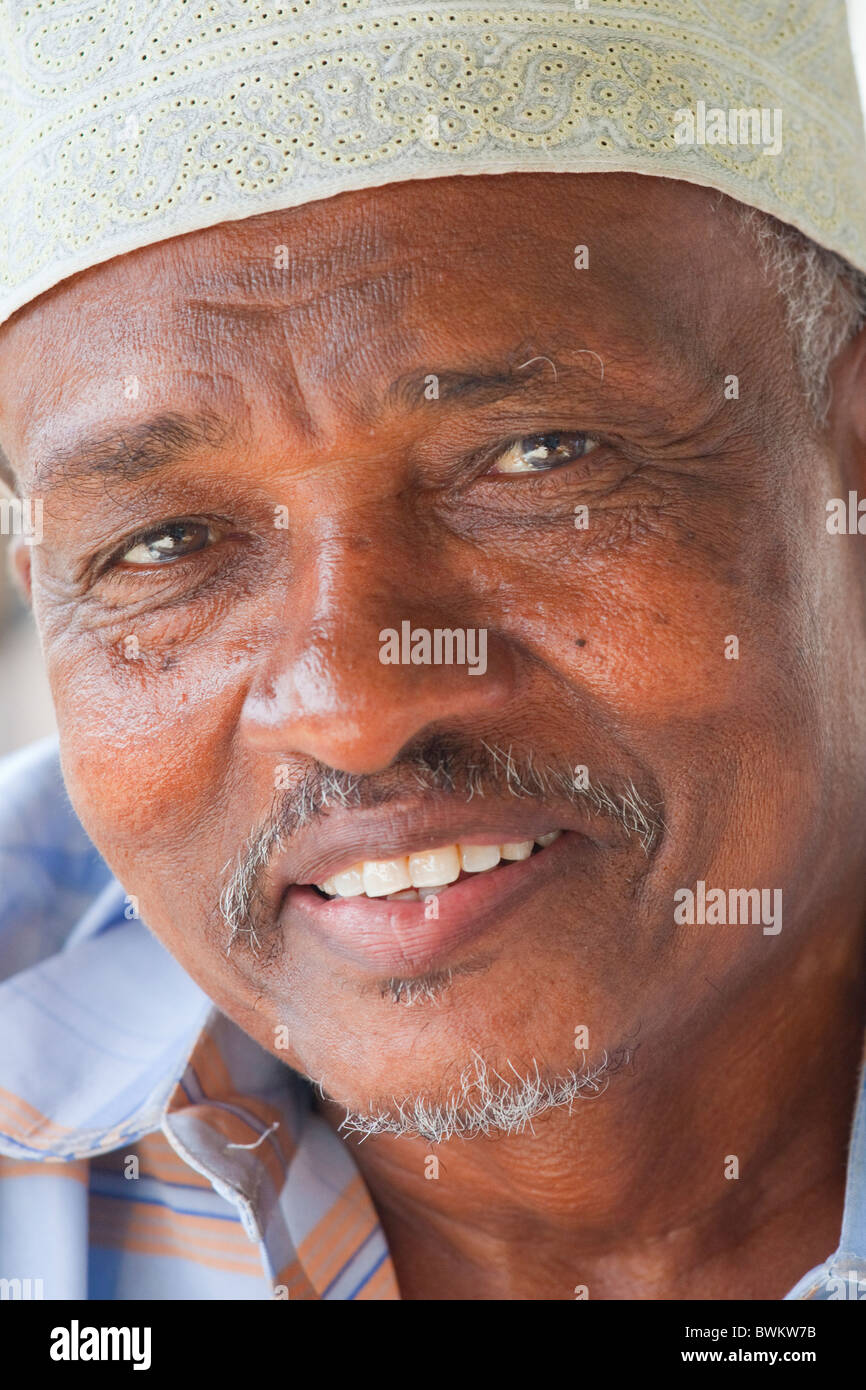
x: 485, y: 1104
x: 824, y: 298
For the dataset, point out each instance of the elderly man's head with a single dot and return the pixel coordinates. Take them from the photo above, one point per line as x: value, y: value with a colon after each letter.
x: 424, y: 409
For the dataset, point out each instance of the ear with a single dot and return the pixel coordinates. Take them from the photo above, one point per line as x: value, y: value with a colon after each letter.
x: 19, y: 556
x: 20, y: 566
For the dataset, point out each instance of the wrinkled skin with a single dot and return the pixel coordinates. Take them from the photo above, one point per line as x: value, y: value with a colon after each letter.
x: 606, y: 647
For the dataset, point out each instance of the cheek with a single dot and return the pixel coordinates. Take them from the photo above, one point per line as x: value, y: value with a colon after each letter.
x: 149, y: 755
x: 695, y: 647
x: 673, y: 620
x: 165, y: 791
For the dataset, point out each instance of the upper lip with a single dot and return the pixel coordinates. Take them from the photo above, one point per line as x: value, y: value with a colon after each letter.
x: 342, y: 838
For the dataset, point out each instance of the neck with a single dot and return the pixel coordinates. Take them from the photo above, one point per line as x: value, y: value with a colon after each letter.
x: 713, y: 1168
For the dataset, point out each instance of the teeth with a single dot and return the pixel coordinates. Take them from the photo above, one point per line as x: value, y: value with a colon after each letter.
x: 431, y: 871
x: 434, y: 867
x: 350, y: 883
x: 476, y: 858
x: 521, y: 849
x: 384, y: 876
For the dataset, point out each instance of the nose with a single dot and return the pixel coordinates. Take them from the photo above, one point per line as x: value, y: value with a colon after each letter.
x: 372, y: 649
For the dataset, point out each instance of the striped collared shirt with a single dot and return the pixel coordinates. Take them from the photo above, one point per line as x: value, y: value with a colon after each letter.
x: 148, y: 1147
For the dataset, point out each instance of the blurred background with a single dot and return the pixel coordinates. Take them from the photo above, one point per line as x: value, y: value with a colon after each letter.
x: 25, y: 704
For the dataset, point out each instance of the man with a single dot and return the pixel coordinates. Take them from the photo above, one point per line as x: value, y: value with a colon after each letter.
x: 458, y: 663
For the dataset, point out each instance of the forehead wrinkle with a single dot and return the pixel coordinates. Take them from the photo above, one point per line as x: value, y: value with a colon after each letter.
x: 384, y: 284
x: 343, y: 321
x: 239, y: 341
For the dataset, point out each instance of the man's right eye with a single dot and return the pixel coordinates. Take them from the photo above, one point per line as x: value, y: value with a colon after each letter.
x: 166, y: 544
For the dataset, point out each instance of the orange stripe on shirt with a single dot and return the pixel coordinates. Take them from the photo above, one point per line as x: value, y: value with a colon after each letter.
x: 32, y: 1122
x: 381, y: 1286
x: 74, y: 1171
x: 343, y: 1227
x: 356, y: 1230
x: 127, y: 1211
x: 209, y: 1065
x: 115, y: 1224
x: 293, y: 1277
x: 157, y: 1160
x: 135, y: 1245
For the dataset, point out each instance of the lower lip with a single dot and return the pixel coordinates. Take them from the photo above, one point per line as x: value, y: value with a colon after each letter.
x: 396, y: 937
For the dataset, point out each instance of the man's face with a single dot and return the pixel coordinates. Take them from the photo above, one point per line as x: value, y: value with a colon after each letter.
x: 370, y: 369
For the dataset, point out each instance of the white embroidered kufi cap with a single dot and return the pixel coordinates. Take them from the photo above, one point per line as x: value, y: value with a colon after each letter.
x: 123, y: 122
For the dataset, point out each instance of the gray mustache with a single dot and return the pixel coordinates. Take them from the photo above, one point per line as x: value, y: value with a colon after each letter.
x: 437, y: 764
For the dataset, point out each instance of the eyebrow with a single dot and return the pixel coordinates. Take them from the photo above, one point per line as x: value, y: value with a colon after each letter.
x: 477, y: 384
x: 131, y: 452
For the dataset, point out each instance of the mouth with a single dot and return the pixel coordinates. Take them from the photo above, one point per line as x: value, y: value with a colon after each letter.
x: 430, y: 872
x: 413, y: 912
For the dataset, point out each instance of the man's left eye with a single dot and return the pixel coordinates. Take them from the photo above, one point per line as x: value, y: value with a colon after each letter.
x: 538, y: 453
